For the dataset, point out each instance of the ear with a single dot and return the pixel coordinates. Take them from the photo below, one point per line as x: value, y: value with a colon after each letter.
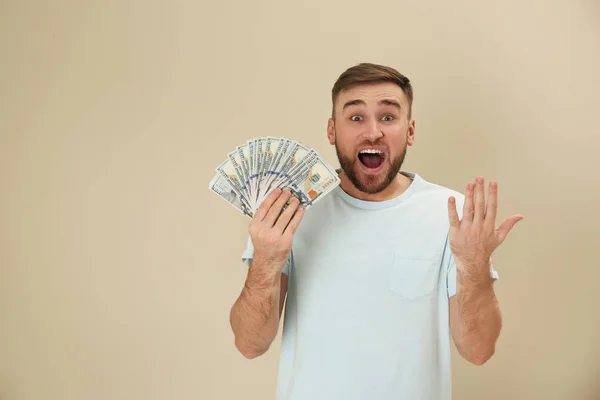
x: 331, y: 131
x: 411, y: 132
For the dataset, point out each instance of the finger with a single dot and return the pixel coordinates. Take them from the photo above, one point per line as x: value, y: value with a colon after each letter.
x: 276, y: 208
x: 293, y: 225
x: 468, y: 210
x: 492, y: 204
x: 452, y: 213
x: 264, y: 207
x: 506, y: 226
x: 479, y: 200
x: 286, y: 216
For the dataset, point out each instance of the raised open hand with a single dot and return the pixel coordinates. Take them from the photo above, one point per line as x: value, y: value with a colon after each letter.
x: 474, y: 238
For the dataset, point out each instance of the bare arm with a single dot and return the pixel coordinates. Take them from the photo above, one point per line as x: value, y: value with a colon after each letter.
x: 475, y: 318
x: 255, y: 315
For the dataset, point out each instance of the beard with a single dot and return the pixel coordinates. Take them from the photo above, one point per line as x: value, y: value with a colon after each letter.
x: 371, y: 184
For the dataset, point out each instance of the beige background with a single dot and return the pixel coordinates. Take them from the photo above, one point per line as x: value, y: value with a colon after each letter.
x: 117, y: 265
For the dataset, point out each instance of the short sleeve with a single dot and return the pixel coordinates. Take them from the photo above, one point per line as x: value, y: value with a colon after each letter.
x: 249, y: 253
x: 451, y: 275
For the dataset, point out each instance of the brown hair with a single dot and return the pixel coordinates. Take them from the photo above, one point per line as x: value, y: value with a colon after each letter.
x: 365, y: 73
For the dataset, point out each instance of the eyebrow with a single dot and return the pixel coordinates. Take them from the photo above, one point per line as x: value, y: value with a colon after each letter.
x: 385, y: 102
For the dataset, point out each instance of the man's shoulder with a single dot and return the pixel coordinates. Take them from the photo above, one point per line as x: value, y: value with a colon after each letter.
x: 432, y: 189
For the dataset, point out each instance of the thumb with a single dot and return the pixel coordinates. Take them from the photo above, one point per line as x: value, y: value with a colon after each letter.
x: 506, y: 226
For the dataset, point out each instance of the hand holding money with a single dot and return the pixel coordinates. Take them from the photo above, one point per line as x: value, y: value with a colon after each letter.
x: 272, y: 229
x: 255, y: 169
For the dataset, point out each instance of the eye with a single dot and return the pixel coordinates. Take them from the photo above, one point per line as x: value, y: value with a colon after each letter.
x: 356, y: 118
x: 388, y: 118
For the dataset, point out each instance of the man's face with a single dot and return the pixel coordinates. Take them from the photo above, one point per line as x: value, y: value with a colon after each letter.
x: 371, y: 132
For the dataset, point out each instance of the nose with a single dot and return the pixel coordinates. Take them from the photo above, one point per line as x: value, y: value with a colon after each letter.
x: 372, y: 131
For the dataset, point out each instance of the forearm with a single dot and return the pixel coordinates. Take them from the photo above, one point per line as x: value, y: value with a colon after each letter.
x: 255, y: 314
x: 479, y: 315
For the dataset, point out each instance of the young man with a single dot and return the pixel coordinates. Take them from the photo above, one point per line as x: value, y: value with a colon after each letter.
x: 380, y: 273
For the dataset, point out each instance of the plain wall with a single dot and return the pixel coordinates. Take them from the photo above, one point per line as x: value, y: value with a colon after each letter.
x: 118, y: 267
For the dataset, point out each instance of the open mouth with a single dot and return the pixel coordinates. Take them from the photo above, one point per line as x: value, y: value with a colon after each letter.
x: 371, y: 158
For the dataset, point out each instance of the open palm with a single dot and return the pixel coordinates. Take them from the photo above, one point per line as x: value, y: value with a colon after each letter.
x: 474, y: 238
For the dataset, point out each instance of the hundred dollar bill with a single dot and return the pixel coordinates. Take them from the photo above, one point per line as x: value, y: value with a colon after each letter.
x: 243, y: 156
x: 269, y: 150
x: 289, y: 160
x: 260, y: 160
x: 252, y: 172
x: 236, y: 162
x: 311, y: 184
x: 227, y: 171
x: 279, y: 158
x: 299, y: 163
x: 273, y: 151
x: 310, y: 181
x: 221, y: 187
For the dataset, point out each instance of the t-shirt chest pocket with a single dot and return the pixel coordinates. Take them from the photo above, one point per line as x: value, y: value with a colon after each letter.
x: 414, y: 275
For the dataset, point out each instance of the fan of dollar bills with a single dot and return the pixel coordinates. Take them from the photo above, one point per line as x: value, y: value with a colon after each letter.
x: 256, y: 168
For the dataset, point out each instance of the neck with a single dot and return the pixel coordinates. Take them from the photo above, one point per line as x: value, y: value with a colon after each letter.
x: 394, y: 189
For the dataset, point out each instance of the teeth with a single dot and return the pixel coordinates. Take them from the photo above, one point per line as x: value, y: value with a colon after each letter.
x: 370, y: 151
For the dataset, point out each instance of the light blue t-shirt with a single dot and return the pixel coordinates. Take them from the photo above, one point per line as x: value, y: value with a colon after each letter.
x: 366, y: 314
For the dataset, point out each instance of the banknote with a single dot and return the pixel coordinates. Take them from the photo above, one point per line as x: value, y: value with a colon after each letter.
x: 227, y: 171
x: 222, y: 188
x: 235, y: 161
x: 259, y: 166
x: 312, y: 181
